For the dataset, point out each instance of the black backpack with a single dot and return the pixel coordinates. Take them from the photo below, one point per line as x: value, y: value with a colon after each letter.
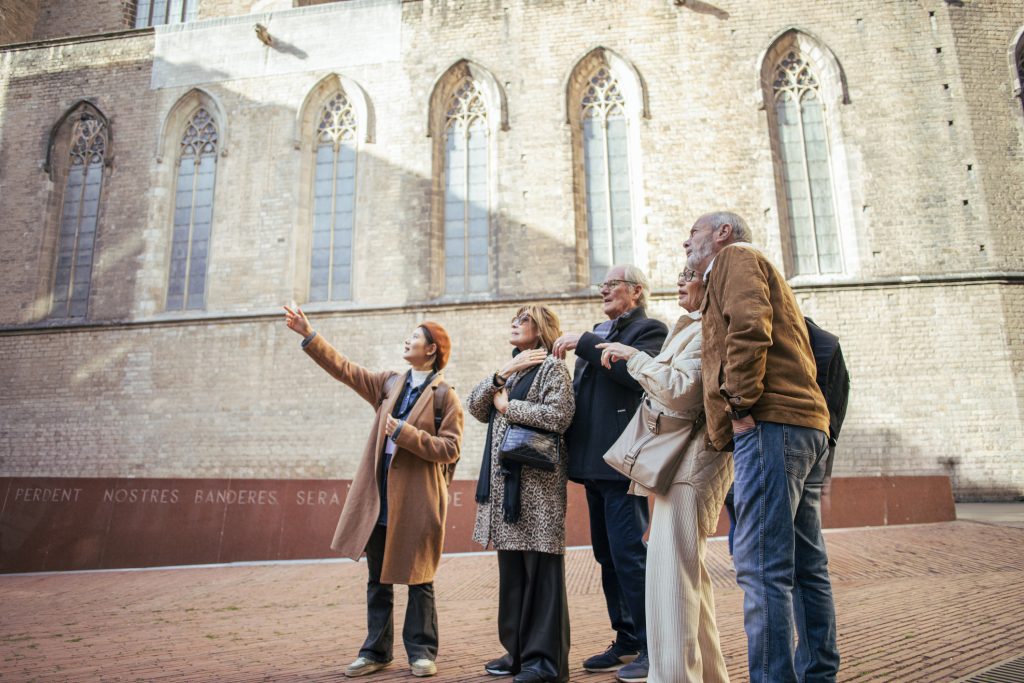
x: 833, y: 378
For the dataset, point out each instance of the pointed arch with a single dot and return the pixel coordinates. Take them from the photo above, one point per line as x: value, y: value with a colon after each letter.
x: 318, y: 96
x: 803, y: 87
x: 824, y: 62
x: 467, y: 109
x: 632, y: 84
x: 179, y: 114
x: 605, y: 99
x: 192, y: 135
x: 446, y: 84
x: 78, y: 156
x: 333, y: 121
x: 73, y: 113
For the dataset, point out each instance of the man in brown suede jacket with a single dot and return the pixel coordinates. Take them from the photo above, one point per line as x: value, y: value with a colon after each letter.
x: 760, y: 394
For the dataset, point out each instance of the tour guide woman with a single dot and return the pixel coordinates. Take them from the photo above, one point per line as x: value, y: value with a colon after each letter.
x: 521, y: 509
x: 395, y: 509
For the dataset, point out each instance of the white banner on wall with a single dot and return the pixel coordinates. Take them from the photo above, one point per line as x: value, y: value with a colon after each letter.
x: 322, y: 37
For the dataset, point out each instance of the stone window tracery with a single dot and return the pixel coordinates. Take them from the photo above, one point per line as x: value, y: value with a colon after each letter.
x: 466, y: 202
x: 803, y: 143
x: 193, y: 213
x: 79, y: 218
x: 159, y: 12
x: 606, y: 173
x: 333, y: 202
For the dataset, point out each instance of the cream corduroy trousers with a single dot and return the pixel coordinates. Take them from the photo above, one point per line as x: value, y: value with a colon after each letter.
x: 682, y: 637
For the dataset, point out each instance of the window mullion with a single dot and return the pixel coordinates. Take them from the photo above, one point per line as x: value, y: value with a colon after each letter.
x: 466, y: 205
x: 191, y: 226
x: 807, y: 180
x: 609, y: 218
x: 331, y: 223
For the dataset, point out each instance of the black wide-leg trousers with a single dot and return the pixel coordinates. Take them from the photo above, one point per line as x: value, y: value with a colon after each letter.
x: 533, y: 612
x: 419, y: 632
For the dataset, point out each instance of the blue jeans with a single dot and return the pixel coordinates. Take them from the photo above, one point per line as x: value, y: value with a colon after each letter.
x: 617, y: 525
x: 779, y: 554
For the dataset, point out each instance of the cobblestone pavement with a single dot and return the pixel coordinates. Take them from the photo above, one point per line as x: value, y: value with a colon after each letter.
x: 921, y: 603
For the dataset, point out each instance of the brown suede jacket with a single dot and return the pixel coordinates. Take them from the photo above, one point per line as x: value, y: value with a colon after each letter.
x: 757, y: 355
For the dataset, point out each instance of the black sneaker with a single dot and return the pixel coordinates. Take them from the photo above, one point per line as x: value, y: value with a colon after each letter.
x: 500, y: 667
x: 611, y: 659
x: 635, y: 671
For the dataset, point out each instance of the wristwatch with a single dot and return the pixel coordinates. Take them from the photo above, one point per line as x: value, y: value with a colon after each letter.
x: 739, y: 414
x: 497, y: 380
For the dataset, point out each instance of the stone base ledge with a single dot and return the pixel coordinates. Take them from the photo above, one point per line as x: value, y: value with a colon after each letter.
x: 59, y: 524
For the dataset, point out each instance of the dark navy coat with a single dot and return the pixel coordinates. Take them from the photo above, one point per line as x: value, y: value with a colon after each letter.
x: 607, y: 399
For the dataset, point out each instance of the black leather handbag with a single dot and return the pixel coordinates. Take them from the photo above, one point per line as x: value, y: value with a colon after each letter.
x: 530, y: 447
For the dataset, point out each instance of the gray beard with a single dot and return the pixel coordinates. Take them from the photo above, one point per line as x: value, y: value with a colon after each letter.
x: 698, y: 257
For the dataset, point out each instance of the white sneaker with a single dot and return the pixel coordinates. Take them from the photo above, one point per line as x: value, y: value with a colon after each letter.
x: 423, y: 667
x: 363, y: 666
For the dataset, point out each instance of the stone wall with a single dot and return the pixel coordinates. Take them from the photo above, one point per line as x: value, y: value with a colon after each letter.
x: 929, y: 310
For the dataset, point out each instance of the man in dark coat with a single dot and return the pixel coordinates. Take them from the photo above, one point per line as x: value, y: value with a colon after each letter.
x: 605, y: 402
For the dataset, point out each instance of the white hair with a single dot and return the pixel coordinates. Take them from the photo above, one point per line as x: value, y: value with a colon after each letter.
x: 740, y: 229
x: 634, y: 274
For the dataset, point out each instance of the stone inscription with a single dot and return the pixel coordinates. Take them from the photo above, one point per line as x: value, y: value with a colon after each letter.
x: 46, y: 495
x: 125, y: 495
x: 239, y: 497
x: 317, y: 497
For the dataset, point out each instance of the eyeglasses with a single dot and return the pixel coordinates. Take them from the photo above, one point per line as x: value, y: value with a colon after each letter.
x: 611, y: 284
x: 521, y: 320
x: 686, y: 276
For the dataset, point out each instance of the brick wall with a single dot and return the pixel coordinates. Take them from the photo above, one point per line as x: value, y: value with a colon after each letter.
x: 17, y: 20
x: 937, y: 368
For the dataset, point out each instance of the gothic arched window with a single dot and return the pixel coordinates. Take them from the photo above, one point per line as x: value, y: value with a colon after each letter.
x: 606, y: 174
x: 466, y: 203
x: 158, y: 12
x: 79, y: 217
x: 193, y: 213
x: 334, y: 194
x: 802, y: 144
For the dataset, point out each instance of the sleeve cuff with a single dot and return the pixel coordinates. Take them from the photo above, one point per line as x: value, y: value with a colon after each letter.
x: 635, y: 364
x: 398, y: 430
x: 306, y: 340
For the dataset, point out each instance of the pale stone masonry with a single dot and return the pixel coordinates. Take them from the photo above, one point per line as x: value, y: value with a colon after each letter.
x: 930, y: 192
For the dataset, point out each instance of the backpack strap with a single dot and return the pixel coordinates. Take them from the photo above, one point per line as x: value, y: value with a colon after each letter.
x: 440, y: 394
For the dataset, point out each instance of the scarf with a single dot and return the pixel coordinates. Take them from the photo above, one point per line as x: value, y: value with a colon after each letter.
x: 512, y: 471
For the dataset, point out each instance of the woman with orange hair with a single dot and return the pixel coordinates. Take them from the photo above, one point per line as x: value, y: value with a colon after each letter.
x: 396, y: 507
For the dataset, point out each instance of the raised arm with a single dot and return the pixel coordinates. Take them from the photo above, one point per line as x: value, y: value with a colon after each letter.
x: 556, y: 404
x: 366, y: 383
x: 481, y: 399
x: 648, y: 341
x: 676, y: 385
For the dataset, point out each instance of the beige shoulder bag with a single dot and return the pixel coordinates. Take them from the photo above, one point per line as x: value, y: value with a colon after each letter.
x: 649, y: 450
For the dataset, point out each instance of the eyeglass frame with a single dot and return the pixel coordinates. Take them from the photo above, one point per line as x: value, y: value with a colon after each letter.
x: 682, y: 277
x: 612, y: 284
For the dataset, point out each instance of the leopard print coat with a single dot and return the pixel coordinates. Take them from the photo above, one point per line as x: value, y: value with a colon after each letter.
x: 549, y: 405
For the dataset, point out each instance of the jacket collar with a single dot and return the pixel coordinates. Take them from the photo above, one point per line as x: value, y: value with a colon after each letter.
x: 628, y: 318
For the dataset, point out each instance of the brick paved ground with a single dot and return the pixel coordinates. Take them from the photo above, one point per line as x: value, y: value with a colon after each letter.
x: 922, y: 603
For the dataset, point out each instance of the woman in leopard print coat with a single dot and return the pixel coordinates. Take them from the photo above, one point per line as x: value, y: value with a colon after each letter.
x: 528, y: 529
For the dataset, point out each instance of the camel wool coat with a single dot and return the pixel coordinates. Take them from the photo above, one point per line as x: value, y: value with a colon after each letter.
x: 417, y: 489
